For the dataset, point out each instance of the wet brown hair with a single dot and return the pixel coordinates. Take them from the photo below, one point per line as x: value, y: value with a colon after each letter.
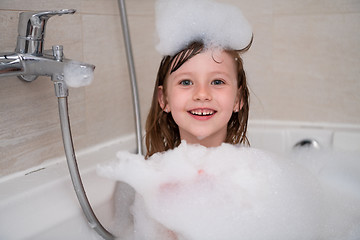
x: 162, y: 133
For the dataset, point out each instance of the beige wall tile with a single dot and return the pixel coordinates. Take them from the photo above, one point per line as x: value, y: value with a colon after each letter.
x: 315, y: 6
x: 109, y: 104
x: 8, y: 29
x: 147, y: 60
x: 319, y: 57
x: 35, y: 5
x: 100, y: 7
x: 140, y: 7
x: 29, y: 123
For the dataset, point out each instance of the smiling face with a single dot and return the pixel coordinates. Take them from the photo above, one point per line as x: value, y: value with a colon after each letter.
x: 201, y: 96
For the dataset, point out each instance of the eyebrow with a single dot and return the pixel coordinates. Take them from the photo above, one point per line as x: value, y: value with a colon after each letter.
x: 221, y: 73
x: 210, y: 73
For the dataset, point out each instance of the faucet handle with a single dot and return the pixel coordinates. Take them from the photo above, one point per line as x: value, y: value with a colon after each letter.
x: 31, y: 30
x: 48, y: 14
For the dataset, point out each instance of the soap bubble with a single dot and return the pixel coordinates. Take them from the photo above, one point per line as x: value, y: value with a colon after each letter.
x: 77, y: 74
x: 179, y: 22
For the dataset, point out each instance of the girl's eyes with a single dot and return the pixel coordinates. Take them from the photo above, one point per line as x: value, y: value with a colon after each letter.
x: 189, y: 82
x: 217, y: 82
x: 186, y: 82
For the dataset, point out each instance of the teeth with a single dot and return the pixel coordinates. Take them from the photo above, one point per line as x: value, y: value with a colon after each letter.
x: 202, y: 112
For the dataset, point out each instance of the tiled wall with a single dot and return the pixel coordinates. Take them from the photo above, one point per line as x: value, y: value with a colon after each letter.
x: 303, y: 66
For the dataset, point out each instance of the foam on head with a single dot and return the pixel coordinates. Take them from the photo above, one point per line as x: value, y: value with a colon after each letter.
x: 180, y: 22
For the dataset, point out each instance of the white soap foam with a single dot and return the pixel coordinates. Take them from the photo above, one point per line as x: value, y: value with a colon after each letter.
x: 179, y: 22
x: 231, y: 192
x: 77, y: 74
x: 339, y: 174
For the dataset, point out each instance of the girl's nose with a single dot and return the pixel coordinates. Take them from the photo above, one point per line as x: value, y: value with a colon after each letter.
x: 202, y: 93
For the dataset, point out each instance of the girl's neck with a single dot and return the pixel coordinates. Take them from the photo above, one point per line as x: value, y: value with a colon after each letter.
x: 209, y: 141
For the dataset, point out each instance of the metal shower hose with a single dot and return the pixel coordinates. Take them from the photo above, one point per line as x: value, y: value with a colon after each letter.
x: 67, y: 138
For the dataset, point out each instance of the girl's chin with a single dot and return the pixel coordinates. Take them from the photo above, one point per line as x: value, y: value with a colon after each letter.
x: 196, y: 138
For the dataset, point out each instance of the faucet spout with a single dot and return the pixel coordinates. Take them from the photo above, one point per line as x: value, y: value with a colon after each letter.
x: 28, y: 67
x: 44, y: 65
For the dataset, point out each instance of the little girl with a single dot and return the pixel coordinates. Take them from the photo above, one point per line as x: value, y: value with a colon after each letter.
x: 200, y: 96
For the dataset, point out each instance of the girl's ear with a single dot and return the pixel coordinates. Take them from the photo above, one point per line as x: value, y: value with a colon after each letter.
x: 241, y: 104
x: 161, y: 97
x: 238, y: 101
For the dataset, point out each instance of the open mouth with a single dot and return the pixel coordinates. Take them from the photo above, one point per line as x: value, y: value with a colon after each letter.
x: 202, y: 112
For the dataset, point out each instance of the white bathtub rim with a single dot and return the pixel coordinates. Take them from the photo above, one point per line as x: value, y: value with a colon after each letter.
x: 301, y: 124
x: 335, y: 136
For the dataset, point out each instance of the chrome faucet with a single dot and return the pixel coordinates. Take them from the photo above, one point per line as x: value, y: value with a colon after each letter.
x: 30, y: 60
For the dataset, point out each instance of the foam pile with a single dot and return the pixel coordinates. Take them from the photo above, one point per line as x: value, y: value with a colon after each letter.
x: 77, y: 74
x: 179, y: 22
x: 228, y: 192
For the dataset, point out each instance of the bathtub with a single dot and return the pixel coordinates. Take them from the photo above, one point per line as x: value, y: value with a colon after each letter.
x: 40, y: 203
